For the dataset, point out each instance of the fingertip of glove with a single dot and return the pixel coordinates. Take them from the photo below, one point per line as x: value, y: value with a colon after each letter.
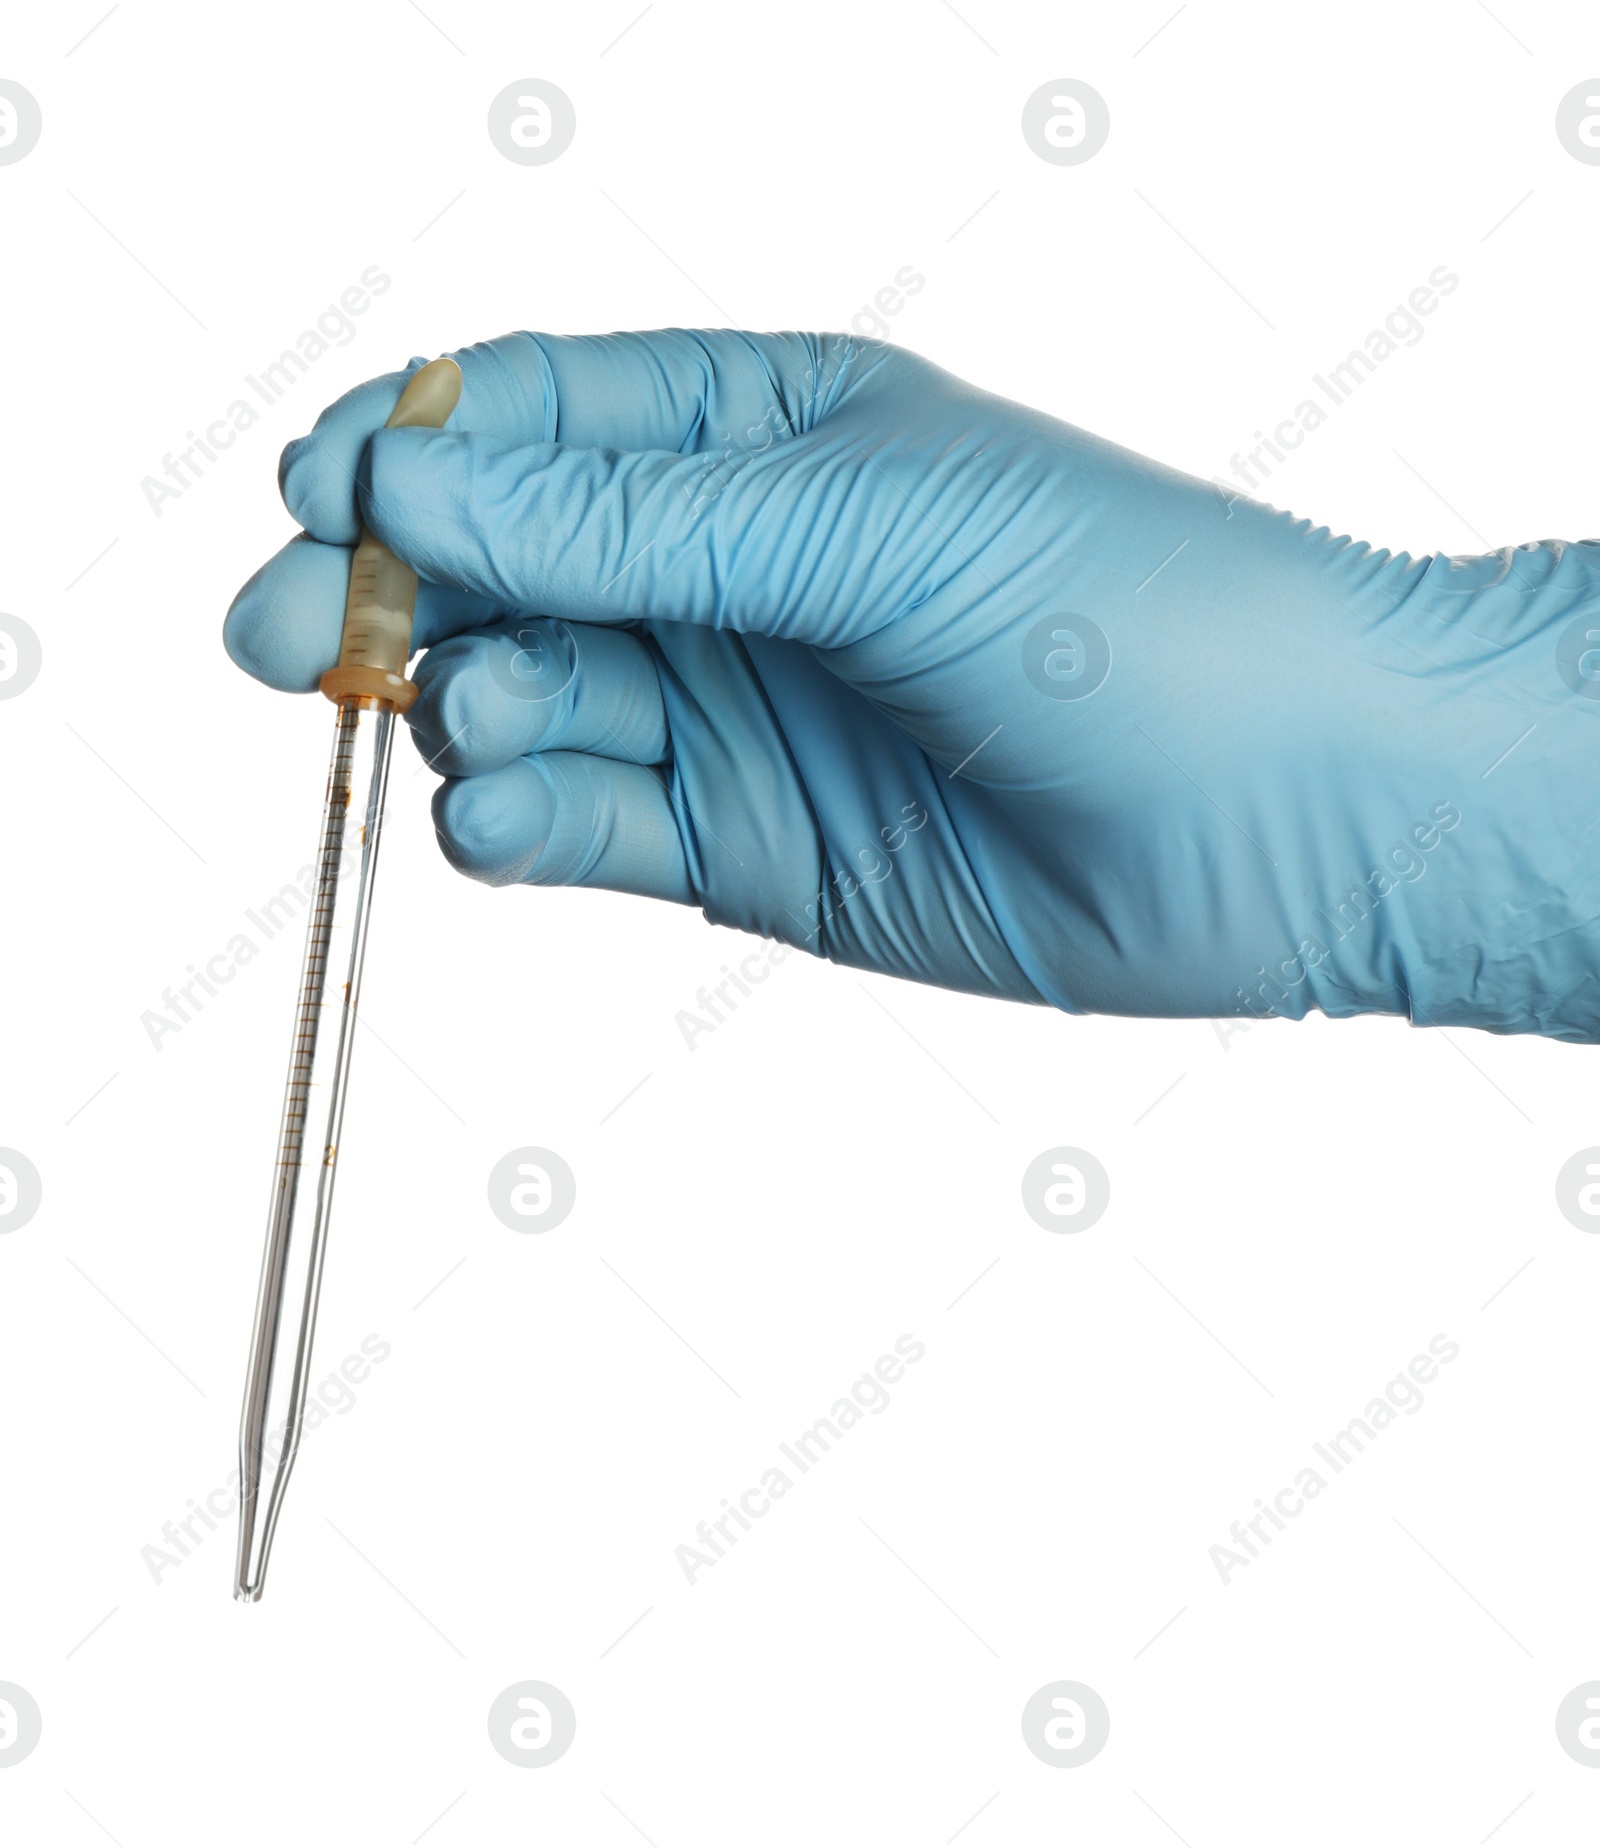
x: 282, y: 627
x: 317, y: 472
x: 488, y: 826
x: 249, y: 634
x: 241, y: 628
x: 319, y: 495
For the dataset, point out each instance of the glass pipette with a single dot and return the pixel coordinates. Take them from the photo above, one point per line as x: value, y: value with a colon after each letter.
x: 369, y: 688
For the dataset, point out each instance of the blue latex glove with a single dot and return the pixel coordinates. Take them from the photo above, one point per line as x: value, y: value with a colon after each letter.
x: 807, y: 632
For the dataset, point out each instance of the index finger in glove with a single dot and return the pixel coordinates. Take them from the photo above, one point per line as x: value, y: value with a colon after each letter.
x: 678, y: 390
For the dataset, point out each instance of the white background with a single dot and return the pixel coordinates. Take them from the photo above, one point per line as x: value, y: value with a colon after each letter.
x: 841, y: 1159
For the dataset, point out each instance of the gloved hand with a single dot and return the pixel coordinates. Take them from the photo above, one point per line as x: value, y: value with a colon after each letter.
x: 807, y: 632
